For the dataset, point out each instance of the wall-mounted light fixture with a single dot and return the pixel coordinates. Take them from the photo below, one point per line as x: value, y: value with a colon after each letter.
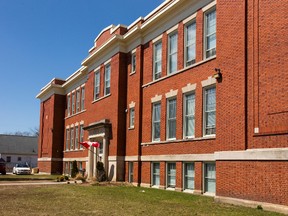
x: 218, y: 74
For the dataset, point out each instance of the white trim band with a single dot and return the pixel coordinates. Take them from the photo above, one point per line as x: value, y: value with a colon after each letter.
x: 254, y: 154
x: 179, y: 157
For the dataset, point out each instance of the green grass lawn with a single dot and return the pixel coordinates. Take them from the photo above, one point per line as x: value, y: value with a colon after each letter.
x: 75, y: 199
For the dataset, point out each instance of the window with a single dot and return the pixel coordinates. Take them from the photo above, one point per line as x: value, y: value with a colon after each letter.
x: 132, y: 117
x: 190, y: 44
x: 189, y: 115
x: 171, y: 175
x: 156, y: 122
x: 210, y: 33
x: 155, y: 174
x: 210, y: 111
x: 83, y: 98
x: 8, y: 159
x: 172, y: 53
x: 73, y: 103
x: 131, y: 170
x: 76, y: 138
x: 67, y: 168
x: 78, y: 100
x: 189, y: 175
x: 97, y: 85
x: 68, y: 105
x: 71, y: 167
x: 171, y: 119
x: 19, y: 159
x: 157, y: 59
x: 209, y: 177
x: 81, y: 135
x: 67, y: 139
x: 101, y: 148
x: 72, y: 139
x: 80, y: 166
x: 133, y: 62
x: 107, y: 79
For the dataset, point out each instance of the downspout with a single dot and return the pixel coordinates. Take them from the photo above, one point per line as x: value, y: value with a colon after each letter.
x: 246, y: 74
x: 140, y: 114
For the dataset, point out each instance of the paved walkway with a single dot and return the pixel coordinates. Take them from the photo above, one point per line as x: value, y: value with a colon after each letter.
x: 38, y: 182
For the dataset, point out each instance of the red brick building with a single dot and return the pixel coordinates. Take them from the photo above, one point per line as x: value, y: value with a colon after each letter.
x: 192, y: 97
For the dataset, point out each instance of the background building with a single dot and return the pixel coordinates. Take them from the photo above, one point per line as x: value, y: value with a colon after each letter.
x: 18, y: 149
x: 191, y: 97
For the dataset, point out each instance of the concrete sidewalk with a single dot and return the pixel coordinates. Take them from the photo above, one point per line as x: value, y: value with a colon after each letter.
x: 38, y: 182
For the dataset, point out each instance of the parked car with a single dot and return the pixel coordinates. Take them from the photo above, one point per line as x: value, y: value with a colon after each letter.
x: 2, y: 167
x: 21, y: 169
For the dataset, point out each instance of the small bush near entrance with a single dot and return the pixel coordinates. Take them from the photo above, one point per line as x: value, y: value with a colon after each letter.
x: 74, y: 170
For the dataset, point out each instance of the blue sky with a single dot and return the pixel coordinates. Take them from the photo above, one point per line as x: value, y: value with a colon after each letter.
x: 43, y: 39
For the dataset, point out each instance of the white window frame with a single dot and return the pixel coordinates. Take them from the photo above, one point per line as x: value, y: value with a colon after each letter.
x: 189, y: 62
x: 81, y: 135
x: 170, y: 119
x: 206, y: 178
x: 170, y: 54
x: 185, y: 116
x: 133, y: 62
x: 156, y: 61
x: 67, y: 139
x: 186, y: 176
x: 80, y: 165
x: 73, y: 103
x: 72, y: 138
x: 77, y: 137
x: 69, y: 105
x: 212, y: 51
x: 131, y: 172
x: 77, y: 100
x: 131, y: 117
x: 97, y: 85
x: 83, y: 98
x: 107, y: 81
x: 101, y: 149
x: 153, y: 183
x: 156, y: 122
x: 205, y: 111
x: 170, y: 174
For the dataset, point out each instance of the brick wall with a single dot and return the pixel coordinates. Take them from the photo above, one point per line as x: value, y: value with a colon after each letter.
x: 264, y: 181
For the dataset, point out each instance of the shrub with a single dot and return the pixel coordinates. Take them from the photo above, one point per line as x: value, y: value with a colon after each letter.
x: 101, y: 175
x: 259, y: 207
x: 74, y: 170
x: 79, y: 176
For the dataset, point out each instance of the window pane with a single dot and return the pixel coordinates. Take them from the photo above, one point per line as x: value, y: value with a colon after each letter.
x: 157, y: 60
x: 76, y: 137
x: 171, y: 119
x: 68, y: 104
x: 190, y: 43
x: 210, y: 111
x: 156, y: 174
x: 72, y: 139
x: 132, y: 114
x: 189, y: 115
x: 189, y: 176
x: 107, y: 79
x: 210, y: 178
x: 97, y: 85
x: 210, y: 36
x: 83, y: 98
x: 133, y: 62
x: 156, y: 121
x: 67, y: 139
x: 173, y: 52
